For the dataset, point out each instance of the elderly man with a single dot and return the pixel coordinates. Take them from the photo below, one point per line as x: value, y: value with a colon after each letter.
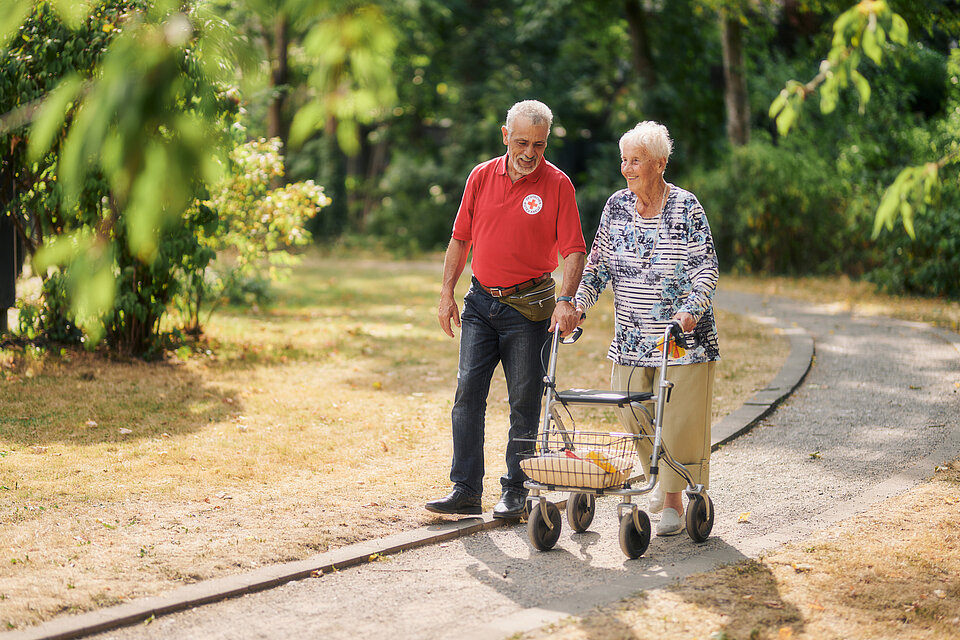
x: 518, y: 212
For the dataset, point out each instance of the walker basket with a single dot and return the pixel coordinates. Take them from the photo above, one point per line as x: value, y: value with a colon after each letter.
x: 581, y: 460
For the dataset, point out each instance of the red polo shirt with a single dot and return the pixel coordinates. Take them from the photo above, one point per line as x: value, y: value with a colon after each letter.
x: 517, y: 228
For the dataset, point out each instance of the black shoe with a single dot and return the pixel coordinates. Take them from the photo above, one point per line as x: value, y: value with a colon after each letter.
x: 458, y: 502
x: 510, y: 505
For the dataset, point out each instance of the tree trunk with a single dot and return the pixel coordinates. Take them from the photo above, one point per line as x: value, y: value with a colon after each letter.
x: 735, y: 81
x: 641, y: 55
x: 279, y: 82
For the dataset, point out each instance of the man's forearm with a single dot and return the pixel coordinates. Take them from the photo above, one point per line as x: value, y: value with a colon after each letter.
x: 453, y: 264
x: 572, y: 272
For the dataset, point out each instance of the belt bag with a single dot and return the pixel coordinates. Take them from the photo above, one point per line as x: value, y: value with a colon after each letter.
x: 535, y: 303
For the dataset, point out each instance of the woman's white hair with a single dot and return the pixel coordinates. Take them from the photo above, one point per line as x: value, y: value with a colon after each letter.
x: 651, y: 136
x: 534, y: 110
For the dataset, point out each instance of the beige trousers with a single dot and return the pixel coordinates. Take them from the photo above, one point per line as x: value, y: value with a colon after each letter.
x: 686, y: 418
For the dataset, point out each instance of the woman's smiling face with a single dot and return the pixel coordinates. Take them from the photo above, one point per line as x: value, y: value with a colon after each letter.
x: 640, y: 170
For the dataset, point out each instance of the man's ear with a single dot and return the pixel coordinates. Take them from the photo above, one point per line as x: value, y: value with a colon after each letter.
x: 506, y: 139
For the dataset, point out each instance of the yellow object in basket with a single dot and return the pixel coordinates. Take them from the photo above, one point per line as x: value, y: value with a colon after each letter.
x: 601, y: 460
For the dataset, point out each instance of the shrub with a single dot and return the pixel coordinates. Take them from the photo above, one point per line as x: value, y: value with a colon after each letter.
x: 928, y: 265
x: 774, y: 210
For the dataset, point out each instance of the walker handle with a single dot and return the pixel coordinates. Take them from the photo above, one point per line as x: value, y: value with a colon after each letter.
x: 677, y: 332
x: 573, y: 337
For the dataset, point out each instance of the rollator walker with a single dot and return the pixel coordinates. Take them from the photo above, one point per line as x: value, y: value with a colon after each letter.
x: 593, y: 463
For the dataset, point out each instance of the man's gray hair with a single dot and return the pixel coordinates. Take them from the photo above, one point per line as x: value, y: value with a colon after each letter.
x: 651, y: 136
x: 534, y: 110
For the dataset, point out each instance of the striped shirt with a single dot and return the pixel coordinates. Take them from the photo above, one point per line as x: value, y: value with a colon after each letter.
x: 657, y: 267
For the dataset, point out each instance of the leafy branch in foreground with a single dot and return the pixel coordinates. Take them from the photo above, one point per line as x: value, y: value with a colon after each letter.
x: 865, y: 30
x: 862, y: 30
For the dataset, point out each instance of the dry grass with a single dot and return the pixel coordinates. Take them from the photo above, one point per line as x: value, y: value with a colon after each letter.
x: 888, y: 573
x: 316, y: 423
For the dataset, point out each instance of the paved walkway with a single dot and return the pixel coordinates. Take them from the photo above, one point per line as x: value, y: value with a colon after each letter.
x: 874, y: 415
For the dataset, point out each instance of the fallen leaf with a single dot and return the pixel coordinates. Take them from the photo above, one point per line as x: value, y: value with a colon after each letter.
x: 915, y: 387
x: 91, y: 423
x: 801, y: 568
x: 815, y: 455
x: 744, y: 517
x: 940, y: 593
x: 773, y: 604
x: 38, y: 449
x: 107, y: 524
x: 164, y: 435
x: 785, y: 633
x: 378, y: 385
x: 816, y: 606
x: 125, y: 432
x: 383, y: 445
x: 316, y: 573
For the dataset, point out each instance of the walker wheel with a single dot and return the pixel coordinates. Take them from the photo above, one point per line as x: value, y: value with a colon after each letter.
x: 699, y: 517
x: 581, y: 508
x: 634, y: 542
x: 541, y: 535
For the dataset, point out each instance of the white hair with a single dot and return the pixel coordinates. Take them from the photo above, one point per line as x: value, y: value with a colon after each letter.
x: 534, y: 110
x: 650, y: 136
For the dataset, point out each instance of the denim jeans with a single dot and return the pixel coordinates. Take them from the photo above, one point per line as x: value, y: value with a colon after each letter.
x: 492, y: 333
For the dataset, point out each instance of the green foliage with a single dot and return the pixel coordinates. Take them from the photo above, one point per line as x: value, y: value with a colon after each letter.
x: 128, y: 105
x: 774, y: 210
x: 917, y: 188
x: 929, y: 262
x: 260, y: 221
x: 862, y: 30
x: 251, y: 224
x: 348, y: 51
x: 51, y: 319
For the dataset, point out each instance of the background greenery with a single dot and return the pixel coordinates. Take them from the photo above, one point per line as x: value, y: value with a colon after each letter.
x: 124, y: 121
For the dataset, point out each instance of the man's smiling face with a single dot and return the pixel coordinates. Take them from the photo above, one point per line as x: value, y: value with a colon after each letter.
x: 525, y: 146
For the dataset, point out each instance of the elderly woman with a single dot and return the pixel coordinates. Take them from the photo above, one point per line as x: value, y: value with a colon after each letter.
x: 654, y: 247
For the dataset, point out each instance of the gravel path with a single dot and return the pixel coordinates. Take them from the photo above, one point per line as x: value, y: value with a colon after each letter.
x: 878, y: 410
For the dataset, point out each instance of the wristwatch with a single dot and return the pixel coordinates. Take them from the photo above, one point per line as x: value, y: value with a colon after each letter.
x: 565, y: 299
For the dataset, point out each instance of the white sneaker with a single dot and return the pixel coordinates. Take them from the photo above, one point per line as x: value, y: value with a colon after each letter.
x: 670, y: 524
x: 656, y: 499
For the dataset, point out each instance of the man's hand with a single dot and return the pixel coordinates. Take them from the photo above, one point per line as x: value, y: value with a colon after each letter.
x: 567, y: 316
x: 447, y: 311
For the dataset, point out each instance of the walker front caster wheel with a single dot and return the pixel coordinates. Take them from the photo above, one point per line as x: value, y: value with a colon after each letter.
x: 542, y: 536
x: 699, y: 517
x: 581, y: 508
x: 634, y: 541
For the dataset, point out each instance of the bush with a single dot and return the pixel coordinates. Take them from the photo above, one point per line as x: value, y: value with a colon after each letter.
x: 930, y: 264
x: 776, y: 211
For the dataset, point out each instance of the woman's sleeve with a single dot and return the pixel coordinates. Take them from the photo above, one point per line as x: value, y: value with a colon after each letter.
x: 702, y: 265
x: 596, y: 273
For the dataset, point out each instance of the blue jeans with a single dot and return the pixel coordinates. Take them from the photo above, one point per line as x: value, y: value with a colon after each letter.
x: 491, y: 333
